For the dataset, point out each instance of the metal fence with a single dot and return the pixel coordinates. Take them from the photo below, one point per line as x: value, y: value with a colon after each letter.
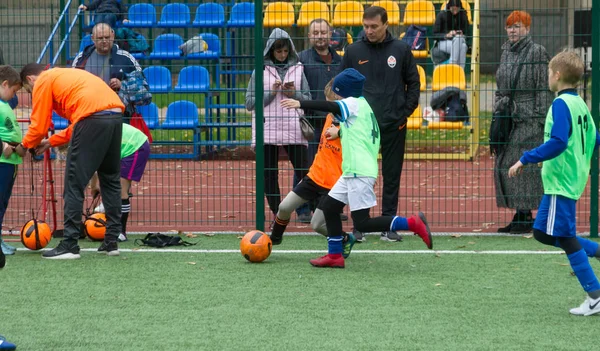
x: 207, y: 177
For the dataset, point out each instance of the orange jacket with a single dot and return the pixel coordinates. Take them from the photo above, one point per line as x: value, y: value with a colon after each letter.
x: 74, y: 94
x: 327, y: 166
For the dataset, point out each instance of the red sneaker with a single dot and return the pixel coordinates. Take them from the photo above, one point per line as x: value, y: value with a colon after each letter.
x: 421, y: 228
x: 329, y: 260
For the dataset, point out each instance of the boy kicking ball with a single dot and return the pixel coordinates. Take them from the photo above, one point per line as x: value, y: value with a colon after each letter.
x: 570, y: 138
x: 360, y: 137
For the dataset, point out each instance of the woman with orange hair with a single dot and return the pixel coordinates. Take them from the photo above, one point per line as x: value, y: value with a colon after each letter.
x: 527, y: 98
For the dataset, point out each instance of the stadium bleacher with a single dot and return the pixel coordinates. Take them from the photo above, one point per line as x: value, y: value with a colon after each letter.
x: 207, y: 70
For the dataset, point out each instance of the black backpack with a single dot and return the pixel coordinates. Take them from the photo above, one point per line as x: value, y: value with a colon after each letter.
x: 162, y: 240
x: 339, y: 39
x: 456, y: 109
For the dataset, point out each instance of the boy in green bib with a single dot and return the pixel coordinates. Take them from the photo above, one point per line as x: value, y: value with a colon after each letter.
x: 10, y: 134
x: 359, y: 133
x: 570, y: 138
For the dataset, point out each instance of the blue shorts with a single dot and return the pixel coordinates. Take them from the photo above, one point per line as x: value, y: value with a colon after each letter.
x: 556, y: 216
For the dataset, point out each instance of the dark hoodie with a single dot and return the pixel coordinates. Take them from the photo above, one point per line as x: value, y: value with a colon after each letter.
x: 115, y: 7
x: 446, y: 21
x: 392, y: 85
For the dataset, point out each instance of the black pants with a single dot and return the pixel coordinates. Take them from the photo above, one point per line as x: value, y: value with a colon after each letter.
x: 296, y: 155
x: 361, y: 219
x: 95, y: 146
x: 392, y: 159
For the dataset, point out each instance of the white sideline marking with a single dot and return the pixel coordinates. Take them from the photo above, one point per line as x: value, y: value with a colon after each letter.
x: 397, y: 252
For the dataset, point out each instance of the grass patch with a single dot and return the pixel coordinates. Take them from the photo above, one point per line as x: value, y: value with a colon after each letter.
x: 218, y: 301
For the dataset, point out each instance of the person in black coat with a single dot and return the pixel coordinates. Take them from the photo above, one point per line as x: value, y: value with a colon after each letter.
x: 392, y: 89
x: 107, y: 11
x: 449, y: 30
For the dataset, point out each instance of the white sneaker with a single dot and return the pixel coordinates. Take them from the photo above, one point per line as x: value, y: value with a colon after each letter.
x: 587, y: 308
x: 99, y: 208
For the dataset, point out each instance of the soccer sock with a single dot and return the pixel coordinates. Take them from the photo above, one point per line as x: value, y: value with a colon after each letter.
x: 125, y: 209
x: 401, y: 223
x: 583, y: 270
x: 279, y: 227
x: 335, y: 245
x: 590, y: 247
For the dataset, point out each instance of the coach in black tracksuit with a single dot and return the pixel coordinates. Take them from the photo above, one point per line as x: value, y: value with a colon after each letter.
x: 392, y: 90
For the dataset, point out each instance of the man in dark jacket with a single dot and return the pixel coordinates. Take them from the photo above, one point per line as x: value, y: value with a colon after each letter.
x: 392, y: 90
x: 321, y: 64
x: 105, y: 60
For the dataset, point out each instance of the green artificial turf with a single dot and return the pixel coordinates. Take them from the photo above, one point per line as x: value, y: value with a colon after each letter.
x: 217, y: 301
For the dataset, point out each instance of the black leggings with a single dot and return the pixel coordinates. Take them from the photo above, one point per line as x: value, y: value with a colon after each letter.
x: 570, y: 245
x: 297, y: 155
x: 362, y: 220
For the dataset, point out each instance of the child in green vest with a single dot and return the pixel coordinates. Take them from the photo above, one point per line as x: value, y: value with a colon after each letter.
x: 360, y: 137
x: 135, y: 151
x: 10, y: 133
x: 570, y: 138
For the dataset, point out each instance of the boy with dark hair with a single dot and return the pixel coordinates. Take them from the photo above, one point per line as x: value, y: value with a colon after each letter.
x: 570, y: 139
x: 10, y: 133
x: 360, y: 148
x: 325, y: 170
x: 94, y: 136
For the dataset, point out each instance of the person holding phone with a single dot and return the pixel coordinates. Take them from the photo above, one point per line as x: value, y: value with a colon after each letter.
x: 449, y: 28
x: 283, y: 77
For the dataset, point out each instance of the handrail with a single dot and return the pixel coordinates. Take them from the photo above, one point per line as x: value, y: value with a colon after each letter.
x: 56, y: 26
x: 66, y: 38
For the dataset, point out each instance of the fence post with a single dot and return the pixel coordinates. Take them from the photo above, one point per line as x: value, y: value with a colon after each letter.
x: 595, y: 114
x: 258, y: 112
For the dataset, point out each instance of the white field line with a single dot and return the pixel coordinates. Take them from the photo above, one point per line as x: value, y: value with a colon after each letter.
x: 396, y: 252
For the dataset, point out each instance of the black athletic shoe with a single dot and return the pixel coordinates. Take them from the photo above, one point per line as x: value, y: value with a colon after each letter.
x: 63, y: 252
x: 109, y: 248
x: 390, y: 236
x: 276, y: 239
x: 359, y: 236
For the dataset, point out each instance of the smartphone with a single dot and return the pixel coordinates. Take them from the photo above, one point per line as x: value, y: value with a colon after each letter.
x: 289, y: 83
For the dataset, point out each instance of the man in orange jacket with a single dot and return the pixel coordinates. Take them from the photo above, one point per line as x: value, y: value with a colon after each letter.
x: 94, y: 136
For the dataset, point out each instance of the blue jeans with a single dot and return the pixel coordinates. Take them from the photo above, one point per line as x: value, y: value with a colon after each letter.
x: 109, y: 18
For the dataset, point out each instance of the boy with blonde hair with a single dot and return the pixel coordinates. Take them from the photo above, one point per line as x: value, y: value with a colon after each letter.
x: 360, y: 136
x: 570, y: 138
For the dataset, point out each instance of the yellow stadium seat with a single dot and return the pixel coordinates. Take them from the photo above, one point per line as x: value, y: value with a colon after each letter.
x: 415, y: 120
x: 419, y: 13
x: 349, y: 40
x: 420, y: 54
x: 312, y: 10
x: 449, y: 75
x: 348, y: 13
x: 422, y: 79
x: 393, y: 11
x: 445, y: 125
x: 466, y: 6
x: 279, y: 14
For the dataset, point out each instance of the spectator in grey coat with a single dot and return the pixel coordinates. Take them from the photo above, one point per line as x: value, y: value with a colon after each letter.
x: 530, y: 103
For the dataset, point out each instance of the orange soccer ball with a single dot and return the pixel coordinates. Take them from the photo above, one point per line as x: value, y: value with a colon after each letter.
x: 35, y: 234
x: 95, y: 226
x: 256, y: 246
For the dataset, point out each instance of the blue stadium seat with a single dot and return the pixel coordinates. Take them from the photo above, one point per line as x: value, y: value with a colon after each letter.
x: 59, y: 122
x: 193, y: 79
x: 175, y: 15
x: 85, y: 42
x: 166, y: 46
x: 150, y: 115
x: 210, y: 15
x: 242, y: 15
x: 214, y: 48
x: 158, y: 78
x: 181, y: 115
x: 141, y: 15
